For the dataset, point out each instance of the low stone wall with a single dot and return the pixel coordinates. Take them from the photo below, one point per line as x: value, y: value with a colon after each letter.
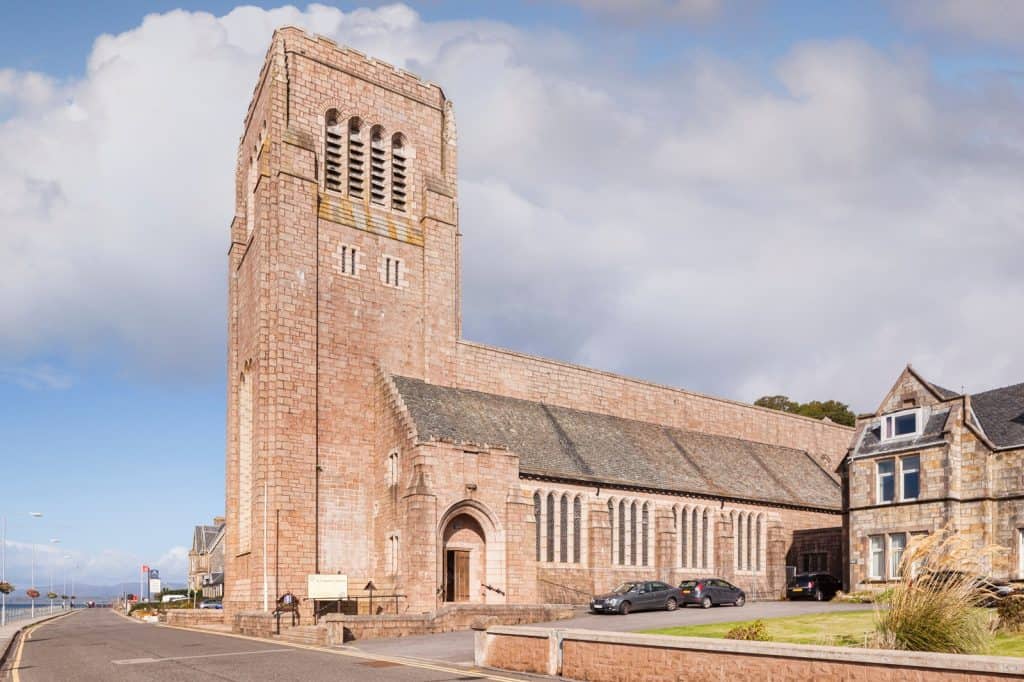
x: 190, y: 617
x: 623, y: 657
x: 253, y: 623
x: 342, y: 628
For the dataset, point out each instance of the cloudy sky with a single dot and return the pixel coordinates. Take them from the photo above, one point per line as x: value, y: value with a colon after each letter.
x: 735, y: 197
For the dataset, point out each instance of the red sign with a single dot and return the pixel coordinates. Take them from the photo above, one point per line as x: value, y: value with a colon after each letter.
x: 145, y: 568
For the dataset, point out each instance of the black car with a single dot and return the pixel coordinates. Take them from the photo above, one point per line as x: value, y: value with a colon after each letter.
x: 708, y: 592
x: 641, y: 595
x: 987, y: 591
x: 816, y: 586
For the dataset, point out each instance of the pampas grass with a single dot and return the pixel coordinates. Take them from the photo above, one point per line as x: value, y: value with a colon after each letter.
x: 938, y: 610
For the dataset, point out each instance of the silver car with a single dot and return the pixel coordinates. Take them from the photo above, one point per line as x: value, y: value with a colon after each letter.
x: 641, y: 595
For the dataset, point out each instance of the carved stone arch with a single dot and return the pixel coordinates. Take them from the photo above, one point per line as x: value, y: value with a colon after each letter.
x: 469, y: 527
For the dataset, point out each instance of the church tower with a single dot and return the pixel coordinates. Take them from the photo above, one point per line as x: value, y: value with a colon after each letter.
x: 343, y: 260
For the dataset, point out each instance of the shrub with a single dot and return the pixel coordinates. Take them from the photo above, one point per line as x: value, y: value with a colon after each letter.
x: 751, y: 632
x: 938, y: 610
x: 861, y: 597
x: 1011, y: 613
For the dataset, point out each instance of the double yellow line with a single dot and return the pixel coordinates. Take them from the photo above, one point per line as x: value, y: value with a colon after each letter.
x: 25, y: 636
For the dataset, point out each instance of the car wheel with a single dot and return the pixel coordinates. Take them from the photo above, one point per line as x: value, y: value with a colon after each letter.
x: 819, y: 595
x: 705, y: 603
x: 671, y: 604
x: 740, y: 600
x: 625, y: 608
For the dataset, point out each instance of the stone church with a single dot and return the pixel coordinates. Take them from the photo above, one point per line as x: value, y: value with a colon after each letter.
x: 366, y: 438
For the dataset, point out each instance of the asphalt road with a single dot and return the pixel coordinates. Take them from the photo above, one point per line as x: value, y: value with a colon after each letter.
x: 101, y: 645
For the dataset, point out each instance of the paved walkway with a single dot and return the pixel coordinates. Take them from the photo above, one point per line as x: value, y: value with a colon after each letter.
x: 8, y: 632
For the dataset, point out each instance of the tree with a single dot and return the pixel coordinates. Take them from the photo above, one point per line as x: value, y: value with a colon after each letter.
x: 838, y: 412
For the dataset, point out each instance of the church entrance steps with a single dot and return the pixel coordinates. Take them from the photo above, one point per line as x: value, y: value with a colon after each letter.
x: 311, y: 635
x: 451, y: 617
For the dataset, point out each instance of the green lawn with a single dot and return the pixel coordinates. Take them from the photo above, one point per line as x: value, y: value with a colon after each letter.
x: 846, y: 628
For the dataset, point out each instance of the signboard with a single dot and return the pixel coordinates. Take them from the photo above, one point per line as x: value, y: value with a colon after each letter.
x: 326, y: 586
x: 154, y: 587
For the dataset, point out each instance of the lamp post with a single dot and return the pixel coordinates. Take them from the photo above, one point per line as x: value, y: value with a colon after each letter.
x: 53, y: 541
x: 32, y: 612
x: 3, y: 572
x: 64, y: 569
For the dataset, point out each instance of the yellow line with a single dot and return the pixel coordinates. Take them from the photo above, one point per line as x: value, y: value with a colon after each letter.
x: 27, y: 635
x: 412, y: 663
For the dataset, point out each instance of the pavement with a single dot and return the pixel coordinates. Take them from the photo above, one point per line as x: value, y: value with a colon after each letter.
x: 9, y: 631
x: 98, y: 644
x: 457, y: 647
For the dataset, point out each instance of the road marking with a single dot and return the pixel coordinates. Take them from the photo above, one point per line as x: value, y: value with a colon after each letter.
x: 15, y: 676
x: 412, y: 663
x: 136, y: 661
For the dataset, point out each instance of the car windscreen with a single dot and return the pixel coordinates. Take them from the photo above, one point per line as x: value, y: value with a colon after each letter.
x: 688, y: 584
x: 802, y: 580
x: 624, y: 588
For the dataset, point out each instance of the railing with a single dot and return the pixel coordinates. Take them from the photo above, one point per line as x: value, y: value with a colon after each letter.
x: 323, y: 608
x: 21, y: 612
x: 582, y: 593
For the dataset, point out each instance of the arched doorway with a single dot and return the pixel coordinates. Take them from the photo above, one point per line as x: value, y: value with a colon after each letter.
x: 464, y: 545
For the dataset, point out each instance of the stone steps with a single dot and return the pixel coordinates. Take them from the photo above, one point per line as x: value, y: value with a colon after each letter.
x: 312, y: 635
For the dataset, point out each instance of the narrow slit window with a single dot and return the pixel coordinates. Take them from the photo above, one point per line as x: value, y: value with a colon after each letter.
x: 563, y: 530
x: 399, y: 172
x: 577, y: 519
x: 537, y: 520
x: 334, y: 141
x: 356, y: 158
x: 551, y: 527
x: 378, y: 160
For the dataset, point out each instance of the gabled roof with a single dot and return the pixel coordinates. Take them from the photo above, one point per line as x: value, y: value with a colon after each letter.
x: 1001, y: 415
x: 203, y: 538
x: 585, y: 446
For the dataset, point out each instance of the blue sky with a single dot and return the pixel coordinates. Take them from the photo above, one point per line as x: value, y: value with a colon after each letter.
x: 796, y: 160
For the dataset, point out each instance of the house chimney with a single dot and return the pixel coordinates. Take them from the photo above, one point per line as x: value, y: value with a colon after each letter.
x: 218, y: 520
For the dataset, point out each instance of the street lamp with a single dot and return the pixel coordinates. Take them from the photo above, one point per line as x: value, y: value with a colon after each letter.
x: 54, y: 541
x: 64, y: 569
x: 34, y: 515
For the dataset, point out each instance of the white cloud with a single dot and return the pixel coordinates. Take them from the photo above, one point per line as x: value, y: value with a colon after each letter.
x: 36, y: 377
x: 698, y: 226
x: 996, y: 21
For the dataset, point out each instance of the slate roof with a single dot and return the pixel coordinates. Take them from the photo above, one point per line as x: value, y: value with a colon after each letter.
x: 564, y: 443
x: 1001, y: 414
x: 203, y: 538
x: 945, y: 393
x: 871, y: 442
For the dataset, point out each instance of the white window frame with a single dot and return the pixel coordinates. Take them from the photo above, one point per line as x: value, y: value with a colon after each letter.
x: 893, y: 564
x: 878, y: 481
x: 872, y: 574
x: 903, y: 472
x: 892, y: 416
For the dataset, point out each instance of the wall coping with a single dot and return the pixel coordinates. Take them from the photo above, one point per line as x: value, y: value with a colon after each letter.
x: 967, y: 663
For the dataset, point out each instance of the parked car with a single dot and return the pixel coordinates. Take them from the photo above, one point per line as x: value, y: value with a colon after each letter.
x: 988, y: 591
x: 210, y: 604
x: 708, y: 592
x: 645, y: 595
x: 816, y: 586
x: 170, y: 598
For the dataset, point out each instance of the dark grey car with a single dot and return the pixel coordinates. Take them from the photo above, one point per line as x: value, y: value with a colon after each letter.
x: 640, y: 595
x: 708, y: 592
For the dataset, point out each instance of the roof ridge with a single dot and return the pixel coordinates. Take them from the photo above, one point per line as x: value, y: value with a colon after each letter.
x: 997, y: 389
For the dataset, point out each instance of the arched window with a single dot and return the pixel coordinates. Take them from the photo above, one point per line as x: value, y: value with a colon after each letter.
x: 551, y: 527
x: 399, y: 171
x: 356, y: 157
x: 334, y: 140
x: 563, y: 529
x: 704, y: 540
x: 644, y: 526
x: 695, y: 523
x: 536, y: 519
x: 378, y: 159
x: 757, y: 536
x: 611, y: 529
x: 750, y: 545
x: 622, y: 532
x: 577, y: 522
x: 684, y: 537
x: 632, y: 534
x: 739, y: 542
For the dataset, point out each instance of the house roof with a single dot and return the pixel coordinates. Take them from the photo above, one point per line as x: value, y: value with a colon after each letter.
x: 572, y: 444
x: 1001, y: 414
x: 204, y: 537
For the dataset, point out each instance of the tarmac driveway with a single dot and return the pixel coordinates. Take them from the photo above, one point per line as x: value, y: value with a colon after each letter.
x: 457, y: 647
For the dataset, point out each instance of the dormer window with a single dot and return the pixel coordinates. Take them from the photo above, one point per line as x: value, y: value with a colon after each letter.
x: 904, y: 424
